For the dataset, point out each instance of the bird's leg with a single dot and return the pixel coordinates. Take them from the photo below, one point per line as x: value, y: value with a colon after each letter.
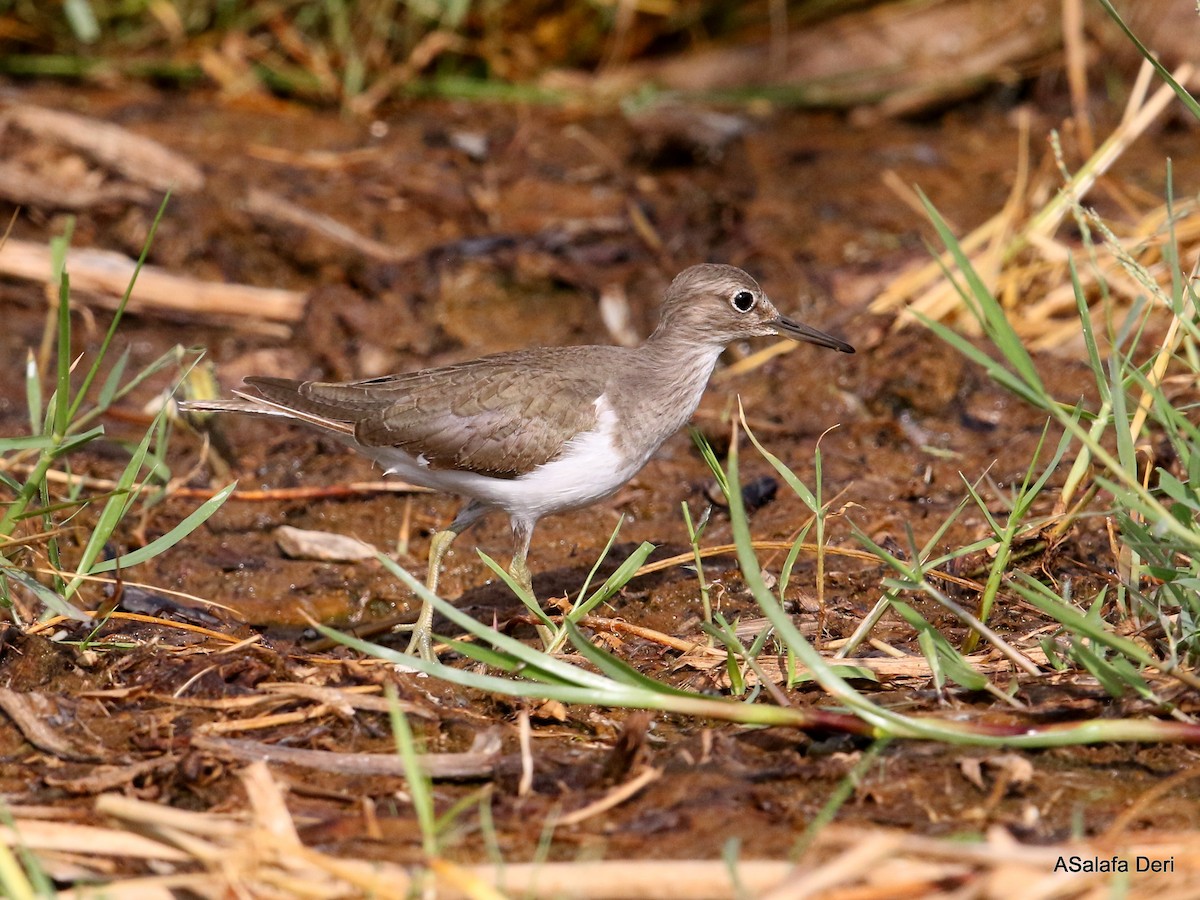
x: 519, y: 570
x: 422, y: 629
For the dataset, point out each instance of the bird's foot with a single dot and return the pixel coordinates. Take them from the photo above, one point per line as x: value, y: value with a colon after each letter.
x: 421, y: 642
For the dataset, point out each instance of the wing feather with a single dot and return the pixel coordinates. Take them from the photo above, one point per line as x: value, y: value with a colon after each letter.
x: 501, y: 415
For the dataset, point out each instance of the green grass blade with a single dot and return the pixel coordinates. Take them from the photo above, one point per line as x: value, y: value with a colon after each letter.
x: 710, y: 459
x: 616, y: 669
x: 52, y: 600
x: 114, y: 510
x: 62, y: 395
x: 615, y: 582
x: 162, y: 543
x: 1180, y: 91
x: 420, y: 789
x: 118, y: 313
x: 32, y: 442
x: 995, y: 322
x: 112, y: 382
x: 526, y: 598
x: 943, y: 656
x: 612, y: 539
x: 501, y: 642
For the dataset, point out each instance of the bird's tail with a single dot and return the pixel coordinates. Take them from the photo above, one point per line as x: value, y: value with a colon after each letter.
x: 248, y: 404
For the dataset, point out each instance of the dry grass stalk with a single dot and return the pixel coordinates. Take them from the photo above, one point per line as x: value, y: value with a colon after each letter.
x: 277, y: 211
x: 107, y: 274
x: 1026, y: 266
x: 891, y: 670
x: 478, y: 762
x: 260, y: 855
x: 140, y: 159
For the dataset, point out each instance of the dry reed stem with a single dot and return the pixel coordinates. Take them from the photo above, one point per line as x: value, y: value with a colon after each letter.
x: 138, y: 158
x: 108, y: 273
x: 260, y: 854
x: 1021, y: 262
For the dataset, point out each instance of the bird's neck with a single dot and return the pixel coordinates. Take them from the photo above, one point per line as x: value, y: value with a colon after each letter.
x: 662, y: 387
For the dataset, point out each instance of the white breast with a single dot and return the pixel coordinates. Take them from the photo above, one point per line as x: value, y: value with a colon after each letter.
x: 590, y: 468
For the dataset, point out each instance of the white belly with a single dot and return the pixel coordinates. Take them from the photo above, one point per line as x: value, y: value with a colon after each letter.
x: 589, y: 469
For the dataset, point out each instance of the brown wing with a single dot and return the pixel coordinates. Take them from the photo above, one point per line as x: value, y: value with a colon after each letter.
x: 500, y: 415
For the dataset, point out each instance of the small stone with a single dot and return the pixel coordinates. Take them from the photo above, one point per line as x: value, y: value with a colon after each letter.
x: 297, y: 543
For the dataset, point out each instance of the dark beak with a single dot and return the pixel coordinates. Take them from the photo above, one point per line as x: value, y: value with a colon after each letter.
x: 798, y: 331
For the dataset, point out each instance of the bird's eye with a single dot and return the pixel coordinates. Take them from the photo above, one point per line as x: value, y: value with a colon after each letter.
x: 743, y: 301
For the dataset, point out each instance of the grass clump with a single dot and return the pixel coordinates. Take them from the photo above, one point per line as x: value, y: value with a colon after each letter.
x: 352, y: 53
x: 64, y: 413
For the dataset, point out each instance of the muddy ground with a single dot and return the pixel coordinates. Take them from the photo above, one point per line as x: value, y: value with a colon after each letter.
x: 507, y: 223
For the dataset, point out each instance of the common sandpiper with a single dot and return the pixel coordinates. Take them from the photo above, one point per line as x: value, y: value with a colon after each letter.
x: 541, y: 431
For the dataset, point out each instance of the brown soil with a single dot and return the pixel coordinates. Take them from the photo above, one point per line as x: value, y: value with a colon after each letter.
x: 510, y: 245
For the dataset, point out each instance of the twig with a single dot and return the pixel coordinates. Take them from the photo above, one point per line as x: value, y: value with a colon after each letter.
x: 109, y: 273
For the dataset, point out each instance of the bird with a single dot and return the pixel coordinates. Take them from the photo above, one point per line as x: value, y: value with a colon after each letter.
x: 539, y: 431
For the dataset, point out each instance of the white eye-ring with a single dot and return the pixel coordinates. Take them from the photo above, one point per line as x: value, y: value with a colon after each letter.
x: 743, y: 301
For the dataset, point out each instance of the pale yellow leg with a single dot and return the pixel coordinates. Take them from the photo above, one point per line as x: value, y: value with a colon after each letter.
x: 421, y: 642
x: 519, y: 569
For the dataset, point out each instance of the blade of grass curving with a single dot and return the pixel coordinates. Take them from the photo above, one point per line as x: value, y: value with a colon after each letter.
x: 161, y: 544
x: 420, y: 788
x: 114, y: 511
x: 612, y: 539
x: 997, y: 372
x: 614, y: 583
x: 995, y: 322
x: 1180, y: 91
x: 790, y: 478
x: 568, y: 691
x: 501, y: 642
x: 526, y: 598
x: 617, y: 669
x: 499, y: 660
x: 599, y: 691
x: 52, y: 600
